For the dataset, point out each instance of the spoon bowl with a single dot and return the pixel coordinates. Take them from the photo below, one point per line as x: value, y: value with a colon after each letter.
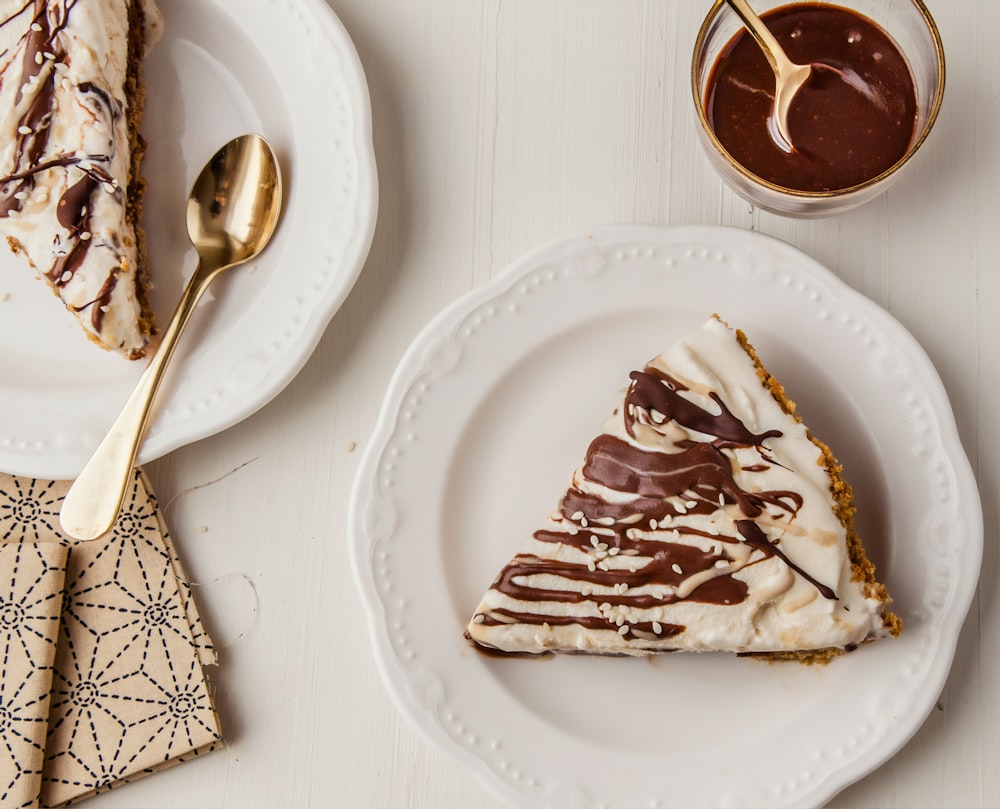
x: 234, y: 203
x: 232, y: 212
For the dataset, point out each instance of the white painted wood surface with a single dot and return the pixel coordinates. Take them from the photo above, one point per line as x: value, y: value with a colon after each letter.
x: 501, y: 124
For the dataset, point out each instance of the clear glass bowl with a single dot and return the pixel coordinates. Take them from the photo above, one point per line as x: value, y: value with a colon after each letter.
x: 908, y: 22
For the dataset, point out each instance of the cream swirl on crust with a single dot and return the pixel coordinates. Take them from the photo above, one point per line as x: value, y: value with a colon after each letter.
x: 68, y: 154
x: 704, y: 518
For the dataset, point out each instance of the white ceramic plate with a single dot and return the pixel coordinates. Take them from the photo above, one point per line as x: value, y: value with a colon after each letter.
x: 222, y: 68
x: 487, y: 415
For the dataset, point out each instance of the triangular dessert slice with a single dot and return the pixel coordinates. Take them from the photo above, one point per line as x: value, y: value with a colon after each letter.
x: 71, y: 96
x: 705, y: 517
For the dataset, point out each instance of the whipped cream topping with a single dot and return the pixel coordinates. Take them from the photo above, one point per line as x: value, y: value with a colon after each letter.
x: 65, y: 158
x: 702, y: 519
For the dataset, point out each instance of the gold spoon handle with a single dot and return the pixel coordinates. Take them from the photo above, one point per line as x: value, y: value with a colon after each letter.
x: 772, y: 49
x: 93, y: 501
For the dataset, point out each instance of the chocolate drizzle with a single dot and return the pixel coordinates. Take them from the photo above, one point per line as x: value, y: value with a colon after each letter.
x: 654, y: 391
x: 752, y: 535
x: 633, y: 502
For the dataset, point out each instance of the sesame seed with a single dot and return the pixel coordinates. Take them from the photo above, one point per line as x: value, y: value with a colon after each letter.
x: 66, y: 276
x: 657, y: 628
x: 613, y: 551
x: 36, y: 27
x: 85, y: 236
x: 24, y: 130
x: 623, y: 631
x: 38, y: 58
x: 49, y: 55
x: 652, y: 524
x: 583, y: 522
x: 602, y: 565
x: 620, y: 620
x: 692, y: 503
x: 681, y: 508
x: 577, y: 516
x: 677, y: 569
x: 722, y: 500
x: 573, y: 530
x: 605, y: 520
x: 109, y: 187
x: 594, y: 540
x: 479, y: 619
x: 591, y: 566
x: 585, y: 591
x: 21, y: 195
x: 600, y: 554
x: 605, y: 607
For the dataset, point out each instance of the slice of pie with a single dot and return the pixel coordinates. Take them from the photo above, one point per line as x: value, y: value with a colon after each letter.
x: 71, y: 98
x: 705, y: 517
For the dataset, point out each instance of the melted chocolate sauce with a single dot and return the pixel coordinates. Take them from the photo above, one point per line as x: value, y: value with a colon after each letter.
x: 853, y: 119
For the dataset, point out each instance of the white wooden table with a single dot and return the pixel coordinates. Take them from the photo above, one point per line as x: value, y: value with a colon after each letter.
x: 499, y: 125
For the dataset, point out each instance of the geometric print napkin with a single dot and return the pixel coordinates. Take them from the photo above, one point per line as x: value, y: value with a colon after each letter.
x: 123, y: 657
x: 31, y: 584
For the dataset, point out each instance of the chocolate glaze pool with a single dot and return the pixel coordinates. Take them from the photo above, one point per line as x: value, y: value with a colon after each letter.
x: 854, y: 119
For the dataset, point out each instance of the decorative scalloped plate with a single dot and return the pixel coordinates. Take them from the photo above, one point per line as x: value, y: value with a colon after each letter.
x: 222, y: 68
x: 487, y: 415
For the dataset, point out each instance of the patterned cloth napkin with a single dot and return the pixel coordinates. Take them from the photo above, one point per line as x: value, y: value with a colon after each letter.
x: 101, y: 651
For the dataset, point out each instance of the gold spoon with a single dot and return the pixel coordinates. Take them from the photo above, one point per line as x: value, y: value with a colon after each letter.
x: 788, y: 75
x: 231, y: 213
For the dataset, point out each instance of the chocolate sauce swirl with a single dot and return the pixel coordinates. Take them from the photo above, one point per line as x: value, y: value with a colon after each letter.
x: 652, y: 390
x: 627, y: 515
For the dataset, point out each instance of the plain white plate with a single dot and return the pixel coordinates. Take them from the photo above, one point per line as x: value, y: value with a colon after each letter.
x: 483, y: 422
x: 223, y: 67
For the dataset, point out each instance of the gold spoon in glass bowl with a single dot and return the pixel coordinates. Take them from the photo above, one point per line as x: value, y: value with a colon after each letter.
x: 788, y: 75
x: 231, y: 213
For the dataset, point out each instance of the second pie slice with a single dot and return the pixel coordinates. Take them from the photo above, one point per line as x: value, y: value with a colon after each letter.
x: 71, y: 192
x: 705, y: 517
